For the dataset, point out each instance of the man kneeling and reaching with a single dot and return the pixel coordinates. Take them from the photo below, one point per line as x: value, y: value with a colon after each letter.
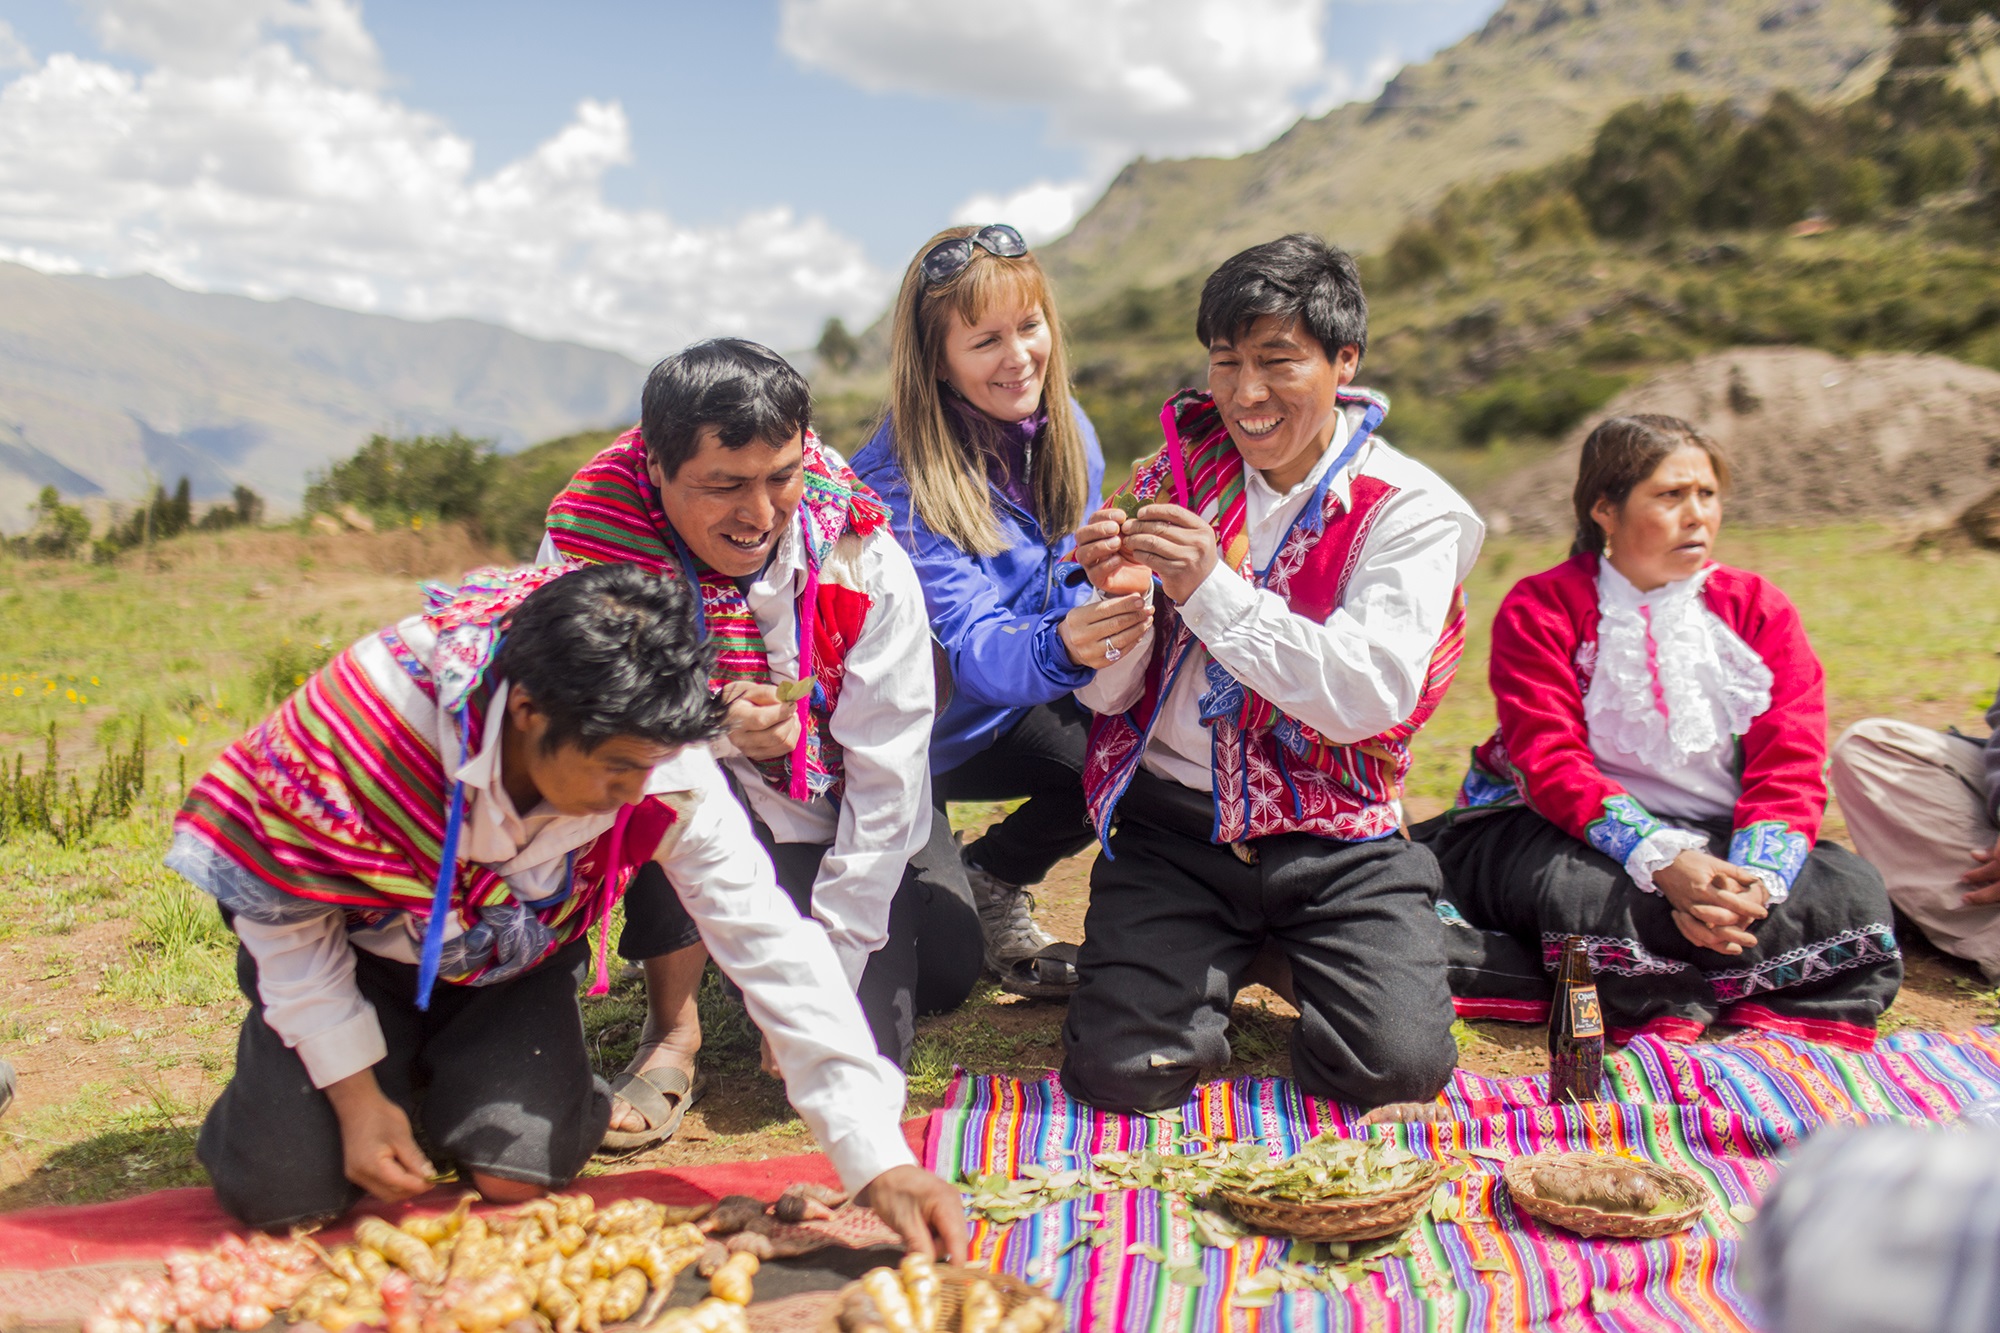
x: 459, y: 798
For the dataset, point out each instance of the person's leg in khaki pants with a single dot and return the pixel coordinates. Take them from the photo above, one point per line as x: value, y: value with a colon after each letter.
x: 1916, y: 805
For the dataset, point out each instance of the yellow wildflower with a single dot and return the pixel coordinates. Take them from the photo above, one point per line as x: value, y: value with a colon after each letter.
x: 70, y: 695
x: 182, y: 739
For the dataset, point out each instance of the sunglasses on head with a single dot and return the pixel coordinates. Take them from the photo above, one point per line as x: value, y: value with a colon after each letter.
x: 947, y: 259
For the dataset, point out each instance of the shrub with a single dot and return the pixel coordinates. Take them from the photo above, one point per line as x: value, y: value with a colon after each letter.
x: 1547, y: 406
x: 45, y: 802
x: 285, y: 666
x: 516, y: 503
x: 396, y: 480
x: 60, y: 530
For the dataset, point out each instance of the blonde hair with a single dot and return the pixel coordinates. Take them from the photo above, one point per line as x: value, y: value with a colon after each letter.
x: 946, y: 475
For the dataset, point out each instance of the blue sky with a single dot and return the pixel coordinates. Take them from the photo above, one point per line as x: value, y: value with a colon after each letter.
x: 745, y: 166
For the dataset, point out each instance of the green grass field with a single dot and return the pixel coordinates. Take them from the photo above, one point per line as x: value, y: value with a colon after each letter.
x: 120, y: 999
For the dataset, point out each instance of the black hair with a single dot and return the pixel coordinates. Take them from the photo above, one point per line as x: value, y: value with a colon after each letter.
x: 743, y: 389
x: 611, y: 650
x: 1294, y: 277
x: 1622, y: 452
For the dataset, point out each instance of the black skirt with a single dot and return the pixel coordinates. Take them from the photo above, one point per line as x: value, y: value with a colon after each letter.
x: 1515, y: 887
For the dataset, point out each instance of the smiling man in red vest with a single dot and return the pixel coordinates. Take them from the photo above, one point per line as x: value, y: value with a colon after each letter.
x: 824, y: 659
x: 1252, y: 749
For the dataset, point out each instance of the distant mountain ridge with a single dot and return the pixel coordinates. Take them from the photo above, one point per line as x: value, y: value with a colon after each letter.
x: 106, y: 383
x: 1531, y: 85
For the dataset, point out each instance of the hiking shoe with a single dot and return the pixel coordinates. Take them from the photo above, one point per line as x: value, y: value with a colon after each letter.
x: 1028, y: 960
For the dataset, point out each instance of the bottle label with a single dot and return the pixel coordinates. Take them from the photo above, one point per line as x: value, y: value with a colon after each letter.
x: 1586, y: 1018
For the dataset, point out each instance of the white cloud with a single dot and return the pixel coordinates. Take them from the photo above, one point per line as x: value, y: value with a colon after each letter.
x: 259, y: 155
x: 1041, y: 211
x: 14, y: 53
x: 1116, y: 77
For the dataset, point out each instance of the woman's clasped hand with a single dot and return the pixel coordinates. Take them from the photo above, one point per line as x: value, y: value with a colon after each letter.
x: 1716, y: 904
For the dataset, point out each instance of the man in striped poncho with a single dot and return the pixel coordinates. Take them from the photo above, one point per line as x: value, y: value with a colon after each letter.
x: 413, y: 851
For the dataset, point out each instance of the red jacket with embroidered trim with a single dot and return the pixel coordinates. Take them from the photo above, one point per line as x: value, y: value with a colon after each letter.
x: 1544, y: 651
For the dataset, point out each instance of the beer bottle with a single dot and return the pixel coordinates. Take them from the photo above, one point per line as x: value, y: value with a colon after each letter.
x: 1576, y: 1030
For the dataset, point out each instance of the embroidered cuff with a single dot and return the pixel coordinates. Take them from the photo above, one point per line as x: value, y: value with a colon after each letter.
x: 1774, y: 850
x: 1657, y: 851
x: 1623, y: 826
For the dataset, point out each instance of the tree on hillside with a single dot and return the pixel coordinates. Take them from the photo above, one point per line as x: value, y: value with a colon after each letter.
x: 837, y: 347
x: 397, y: 479
x: 244, y: 510
x: 60, y: 530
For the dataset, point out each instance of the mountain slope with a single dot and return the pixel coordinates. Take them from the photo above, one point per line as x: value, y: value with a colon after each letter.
x: 479, y: 378
x: 109, y: 385
x: 1528, y: 87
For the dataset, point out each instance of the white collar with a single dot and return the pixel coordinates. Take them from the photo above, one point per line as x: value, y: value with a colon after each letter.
x: 784, y: 572
x: 1615, y: 590
x: 485, y: 783
x: 1341, y: 486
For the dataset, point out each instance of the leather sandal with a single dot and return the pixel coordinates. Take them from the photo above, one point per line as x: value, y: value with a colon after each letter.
x: 662, y: 1096
x: 1048, y: 974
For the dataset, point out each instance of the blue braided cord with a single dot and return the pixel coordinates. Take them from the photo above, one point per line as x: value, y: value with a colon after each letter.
x: 447, y: 880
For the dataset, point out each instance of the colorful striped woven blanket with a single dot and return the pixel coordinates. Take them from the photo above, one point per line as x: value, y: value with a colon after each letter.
x: 1723, y: 1113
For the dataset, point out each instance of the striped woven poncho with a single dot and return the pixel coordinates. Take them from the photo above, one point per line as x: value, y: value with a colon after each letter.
x: 611, y: 511
x: 343, y: 795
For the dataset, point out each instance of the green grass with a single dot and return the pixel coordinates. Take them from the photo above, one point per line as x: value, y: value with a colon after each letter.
x: 105, y: 1153
x: 194, y: 651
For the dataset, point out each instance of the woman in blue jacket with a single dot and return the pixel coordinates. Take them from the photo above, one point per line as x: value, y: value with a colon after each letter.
x: 989, y: 465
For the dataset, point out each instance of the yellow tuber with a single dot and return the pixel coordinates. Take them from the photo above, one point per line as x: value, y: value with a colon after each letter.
x: 920, y: 1281
x: 732, y: 1281
x: 979, y: 1310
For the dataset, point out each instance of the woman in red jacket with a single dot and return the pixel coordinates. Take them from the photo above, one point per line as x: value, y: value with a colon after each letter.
x: 1657, y: 781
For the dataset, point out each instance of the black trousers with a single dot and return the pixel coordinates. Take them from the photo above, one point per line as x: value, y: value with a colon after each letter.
x: 494, y: 1079
x: 1039, y: 757
x: 1175, y: 921
x: 929, y: 964
x: 1515, y: 886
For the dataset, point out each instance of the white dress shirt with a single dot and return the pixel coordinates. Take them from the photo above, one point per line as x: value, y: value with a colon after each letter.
x: 1351, y: 678
x: 882, y: 721
x: 792, y: 983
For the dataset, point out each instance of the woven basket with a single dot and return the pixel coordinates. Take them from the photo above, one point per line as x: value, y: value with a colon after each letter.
x: 952, y: 1284
x: 1690, y: 1193
x: 1369, y: 1217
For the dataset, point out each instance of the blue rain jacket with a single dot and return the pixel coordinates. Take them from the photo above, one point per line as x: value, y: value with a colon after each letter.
x: 995, y: 615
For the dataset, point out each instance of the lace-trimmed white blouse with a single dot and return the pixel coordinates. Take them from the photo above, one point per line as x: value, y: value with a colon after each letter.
x: 1671, y: 690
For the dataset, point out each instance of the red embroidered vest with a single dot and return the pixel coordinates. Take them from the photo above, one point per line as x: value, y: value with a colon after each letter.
x: 1272, y: 774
